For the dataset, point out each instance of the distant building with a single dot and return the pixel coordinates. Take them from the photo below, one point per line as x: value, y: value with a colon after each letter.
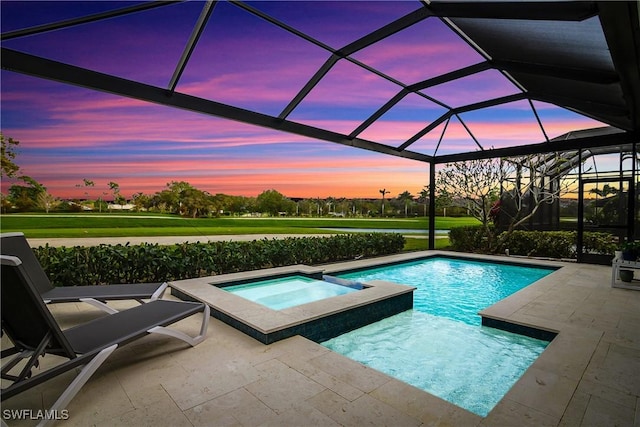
x: 125, y: 207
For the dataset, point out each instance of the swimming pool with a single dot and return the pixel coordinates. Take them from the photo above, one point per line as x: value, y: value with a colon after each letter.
x: 440, y: 345
x: 284, y: 292
x: 454, y: 288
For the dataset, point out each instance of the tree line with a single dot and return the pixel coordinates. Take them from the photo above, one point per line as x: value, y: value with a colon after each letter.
x: 182, y: 198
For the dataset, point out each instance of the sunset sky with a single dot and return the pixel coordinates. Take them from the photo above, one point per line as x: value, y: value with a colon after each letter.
x: 68, y: 133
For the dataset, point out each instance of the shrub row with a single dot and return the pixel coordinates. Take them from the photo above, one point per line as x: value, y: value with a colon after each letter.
x: 470, y: 238
x: 105, y: 264
x: 553, y: 244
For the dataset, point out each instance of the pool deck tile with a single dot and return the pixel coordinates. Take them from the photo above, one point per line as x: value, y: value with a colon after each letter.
x: 588, y: 376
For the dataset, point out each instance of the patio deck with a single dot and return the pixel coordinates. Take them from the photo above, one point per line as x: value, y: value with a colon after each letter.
x: 588, y: 376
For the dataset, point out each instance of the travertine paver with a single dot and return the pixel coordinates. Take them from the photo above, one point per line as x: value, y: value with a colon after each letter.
x: 368, y: 411
x: 429, y: 409
x: 350, y: 372
x: 544, y: 390
x: 588, y: 376
x: 238, y: 407
x: 512, y: 413
x: 281, y: 387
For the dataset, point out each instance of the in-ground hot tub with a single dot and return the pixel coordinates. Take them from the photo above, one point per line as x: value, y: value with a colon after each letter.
x: 289, y: 291
x: 315, y: 319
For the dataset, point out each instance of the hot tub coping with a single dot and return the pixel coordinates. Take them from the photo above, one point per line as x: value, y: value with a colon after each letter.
x: 378, y: 300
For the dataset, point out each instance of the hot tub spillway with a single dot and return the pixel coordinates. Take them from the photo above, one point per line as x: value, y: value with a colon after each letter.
x: 343, y: 282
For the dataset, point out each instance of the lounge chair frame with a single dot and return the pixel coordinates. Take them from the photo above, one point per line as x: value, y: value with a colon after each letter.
x: 35, y: 333
x: 15, y: 244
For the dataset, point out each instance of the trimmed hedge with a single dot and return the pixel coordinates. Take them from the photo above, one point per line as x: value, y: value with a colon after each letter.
x: 552, y: 244
x: 105, y: 264
x: 470, y: 238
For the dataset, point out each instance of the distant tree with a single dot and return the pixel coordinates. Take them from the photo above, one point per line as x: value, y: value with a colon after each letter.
x: 367, y: 207
x: 86, y: 183
x: 100, y: 204
x: 46, y: 201
x: 227, y: 204
x: 405, y: 197
x: 342, y: 206
x: 329, y: 202
x: 182, y: 198
x: 166, y: 201
x: 224, y: 203
x: 442, y: 199
x: 609, y: 208
x: 195, y: 203
x: 8, y: 154
x: 423, y: 198
x: 605, y: 191
x: 141, y: 201
x: 383, y: 192
x: 24, y: 198
x: 117, y: 197
x: 272, y: 202
x: 307, y: 207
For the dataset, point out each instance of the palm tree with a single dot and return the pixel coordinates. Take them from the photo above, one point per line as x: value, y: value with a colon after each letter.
x: 424, y: 198
x: 405, y: 197
x: 383, y: 192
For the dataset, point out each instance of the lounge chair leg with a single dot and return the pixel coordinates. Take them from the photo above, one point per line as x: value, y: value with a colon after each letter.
x: 77, y: 383
x: 99, y: 305
x: 192, y: 341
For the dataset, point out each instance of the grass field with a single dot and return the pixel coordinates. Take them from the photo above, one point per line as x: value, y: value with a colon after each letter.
x: 141, y: 225
x: 128, y: 225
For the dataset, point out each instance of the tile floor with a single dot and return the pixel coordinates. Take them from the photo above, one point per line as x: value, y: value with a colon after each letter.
x: 588, y: 376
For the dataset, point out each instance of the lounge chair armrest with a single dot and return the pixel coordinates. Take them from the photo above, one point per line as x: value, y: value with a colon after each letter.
x: 99, y: 305
x: 159, y: 292
x: 192, y: 341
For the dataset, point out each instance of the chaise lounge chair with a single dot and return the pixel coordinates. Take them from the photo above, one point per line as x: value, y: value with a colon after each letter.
x: 34, y: 333
x: 15, y: 244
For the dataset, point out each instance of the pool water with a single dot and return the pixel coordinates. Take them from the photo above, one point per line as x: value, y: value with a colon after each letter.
x: 289, y: 291
x: 455, y: 288
x: 440, y: 346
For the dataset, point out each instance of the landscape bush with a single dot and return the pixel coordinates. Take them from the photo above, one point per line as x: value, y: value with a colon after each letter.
x: 551, y: 244
x: 470, y: 238
x: 111, y: 264
x: 548, y: 244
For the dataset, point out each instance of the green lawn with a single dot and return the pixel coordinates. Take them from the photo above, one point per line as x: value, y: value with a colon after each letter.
x: 128, y: 225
